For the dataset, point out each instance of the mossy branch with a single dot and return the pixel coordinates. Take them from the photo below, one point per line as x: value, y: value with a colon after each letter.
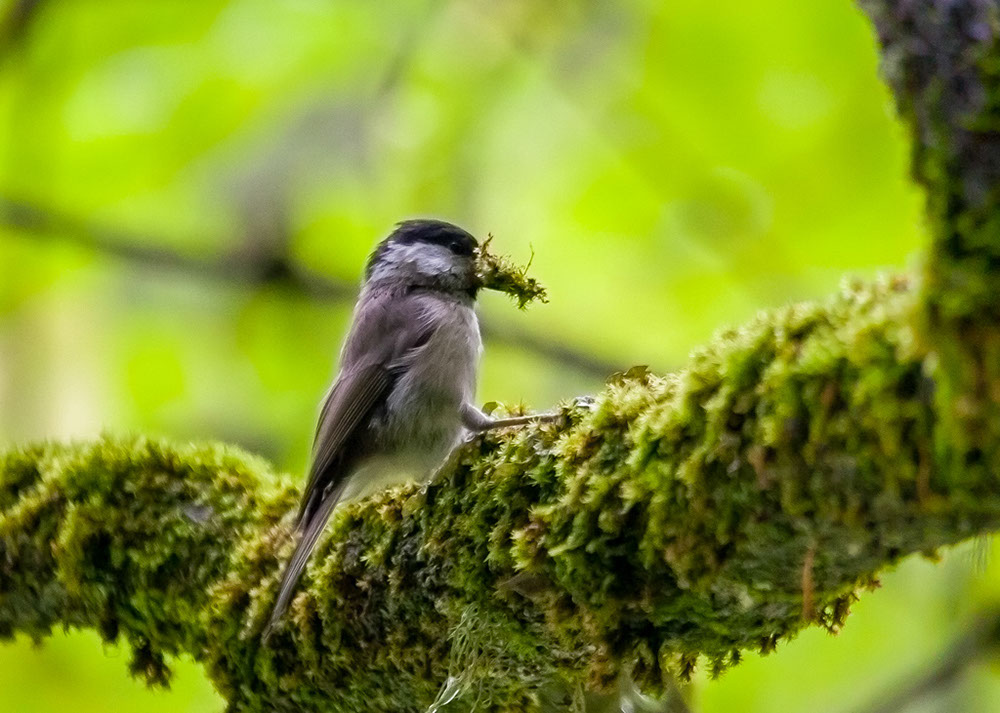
x: 719, y: 509
x: 716, y: 510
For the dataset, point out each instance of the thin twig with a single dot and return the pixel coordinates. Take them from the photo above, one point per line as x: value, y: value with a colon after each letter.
x: 808, y: 586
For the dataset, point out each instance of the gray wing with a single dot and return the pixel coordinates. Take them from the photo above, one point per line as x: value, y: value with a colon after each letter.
x: 385, y: 331
x: 353, y: 397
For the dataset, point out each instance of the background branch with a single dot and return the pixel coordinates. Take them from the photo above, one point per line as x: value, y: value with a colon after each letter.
x: 265, y: 263
x: 980, y: 638
x: 15, y: 24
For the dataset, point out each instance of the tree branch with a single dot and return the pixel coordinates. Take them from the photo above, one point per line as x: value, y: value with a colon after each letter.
x: 15, y: 24
x: 719, y: 509
x: 942, y: 61
x: 669, y: 519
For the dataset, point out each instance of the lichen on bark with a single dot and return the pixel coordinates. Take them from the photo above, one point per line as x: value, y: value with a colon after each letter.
x: 669, y: 520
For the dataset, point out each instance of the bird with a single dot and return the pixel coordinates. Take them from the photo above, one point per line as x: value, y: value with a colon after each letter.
x: 402, y: 399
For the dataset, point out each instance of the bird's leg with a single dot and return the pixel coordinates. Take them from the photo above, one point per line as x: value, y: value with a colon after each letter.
x: 478, y: 422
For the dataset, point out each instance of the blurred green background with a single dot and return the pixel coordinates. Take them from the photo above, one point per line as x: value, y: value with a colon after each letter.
x: 169, y: 172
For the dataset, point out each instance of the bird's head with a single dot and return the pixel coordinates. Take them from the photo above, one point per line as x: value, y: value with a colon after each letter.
x: 425, y: 254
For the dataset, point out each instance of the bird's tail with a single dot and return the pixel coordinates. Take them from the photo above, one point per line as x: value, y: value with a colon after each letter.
x: 309, y: 530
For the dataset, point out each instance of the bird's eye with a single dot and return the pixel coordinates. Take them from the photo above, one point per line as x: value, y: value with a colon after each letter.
x: 460, y: 247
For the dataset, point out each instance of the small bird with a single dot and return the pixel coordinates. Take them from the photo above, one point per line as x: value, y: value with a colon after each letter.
x: 402, y: 399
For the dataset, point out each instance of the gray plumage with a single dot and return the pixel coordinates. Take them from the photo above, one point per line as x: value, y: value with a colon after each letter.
x: 406, y: 383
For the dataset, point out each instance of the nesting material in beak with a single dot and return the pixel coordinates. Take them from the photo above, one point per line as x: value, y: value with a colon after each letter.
x: 496, y: 272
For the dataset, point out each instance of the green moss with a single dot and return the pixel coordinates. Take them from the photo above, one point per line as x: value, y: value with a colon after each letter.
x: 669, y: 520
x: 944, y: 65
x: 496, y: 272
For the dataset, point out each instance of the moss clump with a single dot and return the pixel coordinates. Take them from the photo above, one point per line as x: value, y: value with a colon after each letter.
x: 126, y: 536
x: 499, y: 273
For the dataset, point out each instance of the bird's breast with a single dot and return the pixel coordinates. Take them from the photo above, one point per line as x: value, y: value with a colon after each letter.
x: 423, y: 409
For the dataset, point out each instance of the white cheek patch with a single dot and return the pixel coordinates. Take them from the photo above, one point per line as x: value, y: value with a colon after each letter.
x: 423, y: 259
x: 427, y: 259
